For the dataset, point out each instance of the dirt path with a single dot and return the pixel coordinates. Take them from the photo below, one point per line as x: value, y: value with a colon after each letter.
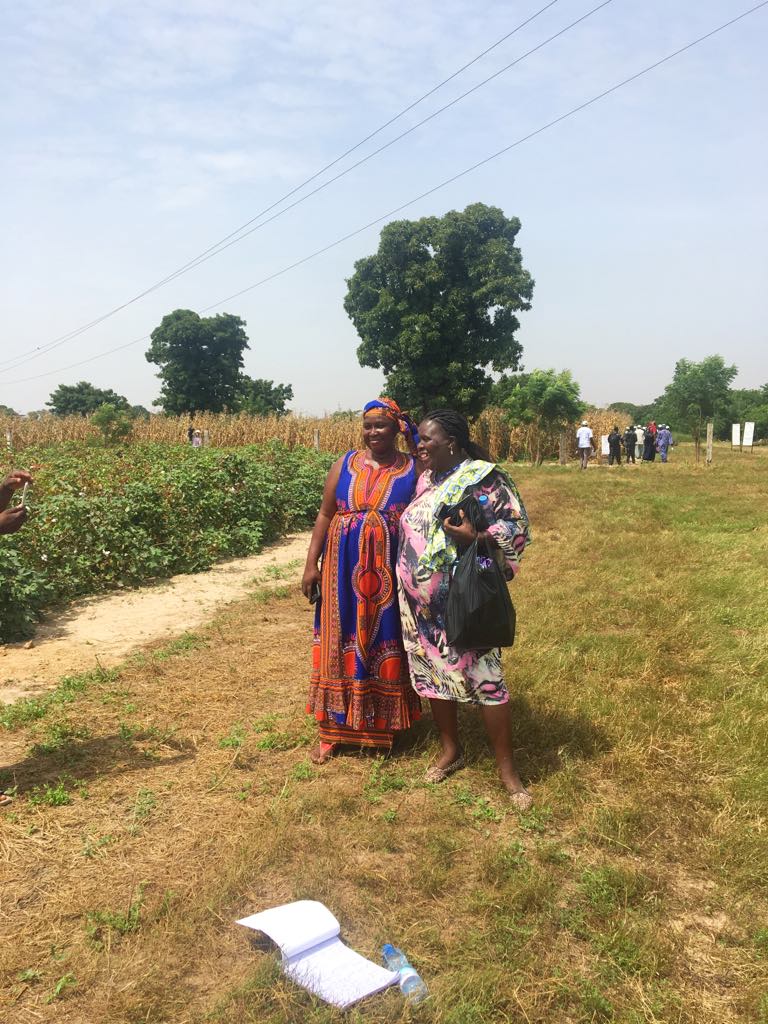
x: 103, y: 630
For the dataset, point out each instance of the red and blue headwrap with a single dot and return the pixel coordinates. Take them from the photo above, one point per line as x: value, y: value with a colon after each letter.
x: 392, y: 411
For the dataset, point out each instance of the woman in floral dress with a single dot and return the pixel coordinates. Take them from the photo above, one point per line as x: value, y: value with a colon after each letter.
x: 360, y: 692
x: 429, y: 551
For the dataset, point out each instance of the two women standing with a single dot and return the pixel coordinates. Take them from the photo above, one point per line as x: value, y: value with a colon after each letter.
x: 372, y: 662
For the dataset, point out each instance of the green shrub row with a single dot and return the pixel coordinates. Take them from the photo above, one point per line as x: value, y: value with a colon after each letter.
x: 102, y: 519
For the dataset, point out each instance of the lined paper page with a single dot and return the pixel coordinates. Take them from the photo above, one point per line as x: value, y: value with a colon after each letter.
x: 337, y: 974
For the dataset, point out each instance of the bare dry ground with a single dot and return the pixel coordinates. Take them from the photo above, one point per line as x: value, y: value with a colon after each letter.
x: 159, y: 801
x: 99, y: 632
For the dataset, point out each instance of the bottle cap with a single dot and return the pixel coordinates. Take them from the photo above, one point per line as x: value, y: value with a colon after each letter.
x: 387, y: 949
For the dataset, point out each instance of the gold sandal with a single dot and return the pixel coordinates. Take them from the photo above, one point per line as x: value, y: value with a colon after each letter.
x: 521, y: 800
x: 436, y: 774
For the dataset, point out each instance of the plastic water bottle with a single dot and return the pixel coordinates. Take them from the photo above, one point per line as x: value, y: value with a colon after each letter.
x: 411, y: 985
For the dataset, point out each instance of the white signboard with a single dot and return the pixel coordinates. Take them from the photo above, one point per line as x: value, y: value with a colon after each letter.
x: 605, y: 448
x: 736, y: 435
x: 749, y: 435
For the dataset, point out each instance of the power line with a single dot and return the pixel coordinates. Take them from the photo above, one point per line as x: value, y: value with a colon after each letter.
x: 231, y: 238
x: 443, y: 184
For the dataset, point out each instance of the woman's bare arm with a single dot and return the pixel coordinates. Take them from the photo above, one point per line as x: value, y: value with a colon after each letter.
x: 320, y: 529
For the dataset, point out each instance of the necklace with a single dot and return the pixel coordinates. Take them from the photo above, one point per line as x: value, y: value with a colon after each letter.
x: 437, y: 478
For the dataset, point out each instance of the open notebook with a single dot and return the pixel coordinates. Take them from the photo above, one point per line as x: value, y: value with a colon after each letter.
x: 315, y: 957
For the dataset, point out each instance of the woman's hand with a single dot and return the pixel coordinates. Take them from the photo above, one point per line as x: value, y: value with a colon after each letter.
x: 463, y: 534
x: 309, y: 579
x: 12, y: 519
x: 16, y: 479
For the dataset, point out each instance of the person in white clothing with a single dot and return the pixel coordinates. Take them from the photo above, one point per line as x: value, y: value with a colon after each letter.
x: 584, y: 443
x: 640, y: 443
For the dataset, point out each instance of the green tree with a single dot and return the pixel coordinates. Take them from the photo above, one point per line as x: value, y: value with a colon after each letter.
x: 743, y: 404
x: 697, y: 392
x: 6, y: 410
x: 263, y: 397
x: 82, y: 399
x: 115, y: 424
x: 200, y: 360
x: 502, y: 388
x: 546, y: 399
x: 637, y: 413
x: 436, y: 306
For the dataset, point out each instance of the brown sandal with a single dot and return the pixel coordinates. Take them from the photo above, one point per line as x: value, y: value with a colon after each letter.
x: 436, y: 774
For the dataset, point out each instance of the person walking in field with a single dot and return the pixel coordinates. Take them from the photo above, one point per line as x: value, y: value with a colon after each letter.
x: 429, y: 551
x: 614, y: 446
x: 584, y: 443
x: 630, y: 440
x: 640, y: 443
x: 664, y: 441
x: 649, y: 447
x: 360, y: 692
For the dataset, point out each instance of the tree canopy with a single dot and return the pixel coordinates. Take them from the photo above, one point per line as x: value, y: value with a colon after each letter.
x: 82, y: 399
x: 200, y: 360
x: 115, y: 424
x: 436, y: 306
x: 263, y: 397
x: 546, y: 398
x: 637, y: 413
x: 696, y: 393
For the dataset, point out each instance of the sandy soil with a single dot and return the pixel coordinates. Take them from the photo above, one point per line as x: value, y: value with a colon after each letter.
x: 103, y: 630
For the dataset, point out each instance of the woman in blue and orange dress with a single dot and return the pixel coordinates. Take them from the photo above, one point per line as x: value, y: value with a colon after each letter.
x: 360, y: 691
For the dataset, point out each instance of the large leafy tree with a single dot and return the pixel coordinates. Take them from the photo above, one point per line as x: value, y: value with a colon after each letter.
x: 82, y: 399
x: 263, y: 397
x: 200, y: 360
x: 436, y: 306
x: 502, y: 388
x: 743, y: 404
x: 697, y: 393
x: 547, y: 400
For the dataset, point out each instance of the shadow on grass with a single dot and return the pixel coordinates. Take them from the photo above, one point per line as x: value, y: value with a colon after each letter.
x: 91, y: 758
x: 543, y: 741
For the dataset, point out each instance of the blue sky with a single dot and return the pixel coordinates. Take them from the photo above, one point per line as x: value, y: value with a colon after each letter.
x: 135, y: 135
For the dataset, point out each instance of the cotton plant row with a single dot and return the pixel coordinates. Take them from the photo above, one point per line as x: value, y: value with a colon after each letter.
x: 333, y: 434
x: 102, y: 518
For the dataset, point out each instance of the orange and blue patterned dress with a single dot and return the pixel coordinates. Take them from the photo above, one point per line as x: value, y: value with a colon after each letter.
x: 360, y: 690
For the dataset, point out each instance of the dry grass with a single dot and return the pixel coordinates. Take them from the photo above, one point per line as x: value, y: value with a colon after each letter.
x: 336, y: 434
x: 634, y: 892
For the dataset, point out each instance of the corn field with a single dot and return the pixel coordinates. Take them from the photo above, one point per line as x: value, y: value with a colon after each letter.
x: 332, y: 434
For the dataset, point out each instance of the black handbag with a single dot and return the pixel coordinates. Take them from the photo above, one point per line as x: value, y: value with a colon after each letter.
x: 480, y: 613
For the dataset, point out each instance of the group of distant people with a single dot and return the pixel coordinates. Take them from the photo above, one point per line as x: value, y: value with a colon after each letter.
x: 640, y: 444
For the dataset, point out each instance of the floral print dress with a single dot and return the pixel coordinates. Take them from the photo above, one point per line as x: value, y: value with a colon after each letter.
x: 425, y: 564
